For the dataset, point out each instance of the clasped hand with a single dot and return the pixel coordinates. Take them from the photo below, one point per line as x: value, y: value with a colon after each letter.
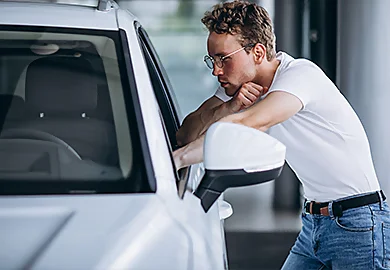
x: 246, y: 96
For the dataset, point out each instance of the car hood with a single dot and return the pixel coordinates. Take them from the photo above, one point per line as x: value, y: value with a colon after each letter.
x: 71, y: 232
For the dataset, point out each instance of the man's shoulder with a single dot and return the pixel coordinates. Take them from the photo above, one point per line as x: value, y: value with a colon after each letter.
x: 287, y: 62
x: 299, y: 66
x: 296, y: 74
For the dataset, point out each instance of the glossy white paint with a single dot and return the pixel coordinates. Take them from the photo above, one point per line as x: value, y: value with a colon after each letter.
x: 201, y: 226
x: 84, y: 229
x: 230, y: 146
x: 46, y: 14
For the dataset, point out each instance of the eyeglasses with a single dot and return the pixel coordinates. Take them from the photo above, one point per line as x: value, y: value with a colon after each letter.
x: 220, y: 59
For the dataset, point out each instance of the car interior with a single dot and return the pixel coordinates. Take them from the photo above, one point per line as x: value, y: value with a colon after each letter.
x: 62, y: 110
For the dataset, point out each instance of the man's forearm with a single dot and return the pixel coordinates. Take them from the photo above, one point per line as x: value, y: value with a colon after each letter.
x: 190, y: 154
x: 196, y: 124
x: 211, y: 116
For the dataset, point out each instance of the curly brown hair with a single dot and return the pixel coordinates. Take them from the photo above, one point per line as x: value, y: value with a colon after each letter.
x: 251, y: 22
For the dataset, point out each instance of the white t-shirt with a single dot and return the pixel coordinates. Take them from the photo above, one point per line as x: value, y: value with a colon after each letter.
x: 327, y: 147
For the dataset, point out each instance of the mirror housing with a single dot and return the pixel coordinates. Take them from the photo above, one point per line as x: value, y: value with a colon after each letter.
x: 235, y: 156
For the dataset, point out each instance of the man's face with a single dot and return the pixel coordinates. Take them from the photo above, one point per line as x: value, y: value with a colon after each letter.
x: 237, y: 69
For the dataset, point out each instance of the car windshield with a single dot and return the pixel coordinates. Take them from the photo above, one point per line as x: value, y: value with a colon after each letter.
x: 63, y: 113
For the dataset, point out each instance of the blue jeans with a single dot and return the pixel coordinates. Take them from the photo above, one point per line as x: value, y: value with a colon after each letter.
x: 358, y: 240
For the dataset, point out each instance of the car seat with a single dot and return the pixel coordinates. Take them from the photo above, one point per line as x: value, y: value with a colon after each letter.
x: 61, y: 94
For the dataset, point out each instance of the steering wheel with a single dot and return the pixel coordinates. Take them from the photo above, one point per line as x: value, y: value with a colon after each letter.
x: 24, y: 133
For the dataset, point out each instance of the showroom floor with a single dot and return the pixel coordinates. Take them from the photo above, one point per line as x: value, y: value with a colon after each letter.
x: 257, y: 236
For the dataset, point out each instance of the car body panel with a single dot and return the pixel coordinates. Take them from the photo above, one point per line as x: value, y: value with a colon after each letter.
x: 76, y: 232
x: 46, y: 14
x: 163, y: 166
x: 111, y: 231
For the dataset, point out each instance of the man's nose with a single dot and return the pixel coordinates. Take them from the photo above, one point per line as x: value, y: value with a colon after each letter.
x: 217, y: 70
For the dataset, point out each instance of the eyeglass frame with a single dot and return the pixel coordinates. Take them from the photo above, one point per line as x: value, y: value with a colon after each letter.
x: 223, y: 58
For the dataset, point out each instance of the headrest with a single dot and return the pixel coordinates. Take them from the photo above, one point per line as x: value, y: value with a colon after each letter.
x: 11, y: 107
x: 61, y: 86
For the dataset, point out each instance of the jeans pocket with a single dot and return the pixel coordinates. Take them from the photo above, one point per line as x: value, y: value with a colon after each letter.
x: 356, y: 220
x: 386, y: 245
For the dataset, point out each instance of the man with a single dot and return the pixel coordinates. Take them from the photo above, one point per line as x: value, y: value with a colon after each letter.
x: 346, y: 220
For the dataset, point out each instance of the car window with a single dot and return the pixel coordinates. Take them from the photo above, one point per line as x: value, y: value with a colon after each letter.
x: 166, y: 100
x: 64, y: 111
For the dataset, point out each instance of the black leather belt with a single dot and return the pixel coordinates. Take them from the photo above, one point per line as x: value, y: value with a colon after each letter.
x: 339, y: 206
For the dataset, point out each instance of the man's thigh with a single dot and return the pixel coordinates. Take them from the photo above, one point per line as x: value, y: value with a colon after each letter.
x: 302, y: 255
x: 297, y: 261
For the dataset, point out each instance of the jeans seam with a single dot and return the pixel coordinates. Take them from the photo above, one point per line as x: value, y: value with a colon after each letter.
x: 352, y: 229
x: 373, y: 236
x: 385, y: 261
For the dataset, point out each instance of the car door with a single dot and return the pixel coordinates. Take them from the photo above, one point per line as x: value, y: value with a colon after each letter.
x: 169, y: 109
x: 205, y: 229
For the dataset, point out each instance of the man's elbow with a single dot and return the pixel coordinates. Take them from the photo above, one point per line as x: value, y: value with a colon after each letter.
x: 259, y: 125
x: 182, y: 137
x: 185, y: 136
x: 253, y: 121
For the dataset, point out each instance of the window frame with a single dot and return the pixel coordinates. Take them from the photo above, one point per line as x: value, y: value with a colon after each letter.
x: 168, y: 107
x: 163, y: 96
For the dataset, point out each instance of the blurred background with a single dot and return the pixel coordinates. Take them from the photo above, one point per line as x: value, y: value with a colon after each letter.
x: 348, y: 39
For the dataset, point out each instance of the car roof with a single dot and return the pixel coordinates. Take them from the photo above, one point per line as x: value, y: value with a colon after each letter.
x: 60, y: 14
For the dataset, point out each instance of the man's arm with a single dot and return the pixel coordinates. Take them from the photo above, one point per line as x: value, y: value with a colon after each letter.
x: 198, y: 121
x: 277, y: 107
x: 213, y: 109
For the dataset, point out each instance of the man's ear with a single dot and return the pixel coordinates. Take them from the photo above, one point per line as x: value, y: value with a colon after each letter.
x: 259, y: 53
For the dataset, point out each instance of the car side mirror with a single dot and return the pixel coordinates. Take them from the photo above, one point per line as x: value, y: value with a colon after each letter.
x: 235, y: 156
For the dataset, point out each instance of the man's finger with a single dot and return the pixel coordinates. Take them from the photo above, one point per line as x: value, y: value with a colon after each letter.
x: 256, y: 86
x: 250, y: 96
x: 254, y: 91
x: 247, y: 88
x: 244, y: 100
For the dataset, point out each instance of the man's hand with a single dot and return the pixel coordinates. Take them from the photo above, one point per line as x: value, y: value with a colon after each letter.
x: 190, y: 154
x: 178, y: 158
x: 246, y: 96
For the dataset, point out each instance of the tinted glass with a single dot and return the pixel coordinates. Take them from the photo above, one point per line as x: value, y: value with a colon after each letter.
x: 63, y: 113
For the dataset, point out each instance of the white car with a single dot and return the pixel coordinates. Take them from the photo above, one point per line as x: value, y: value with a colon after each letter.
x: 88, y: 124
